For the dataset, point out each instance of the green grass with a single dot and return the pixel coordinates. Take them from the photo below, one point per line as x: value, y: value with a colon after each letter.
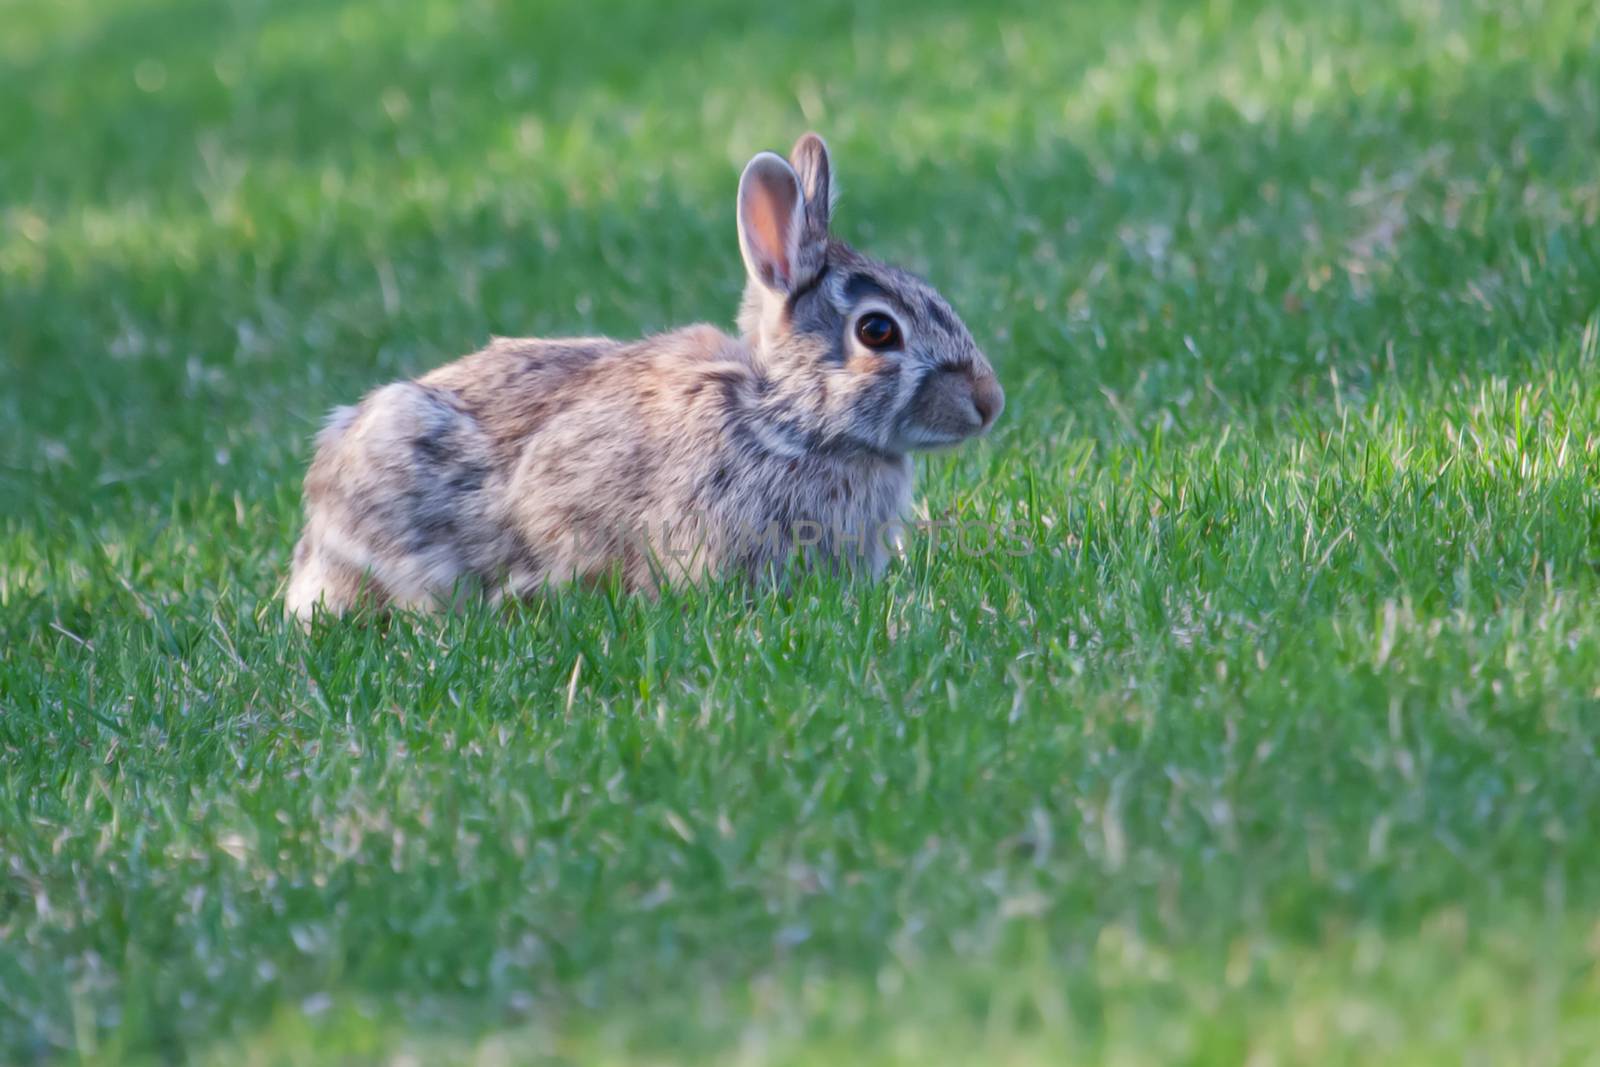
x: 1281, y: 748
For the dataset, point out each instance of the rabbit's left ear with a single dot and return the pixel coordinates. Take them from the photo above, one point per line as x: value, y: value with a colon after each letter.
x: 781, y: 251
x: 815, y: 170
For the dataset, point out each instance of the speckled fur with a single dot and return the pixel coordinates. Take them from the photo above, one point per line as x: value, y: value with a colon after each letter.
x: 691, y: 453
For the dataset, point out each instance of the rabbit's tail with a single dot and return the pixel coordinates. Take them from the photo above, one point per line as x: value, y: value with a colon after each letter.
x: 335, y: 425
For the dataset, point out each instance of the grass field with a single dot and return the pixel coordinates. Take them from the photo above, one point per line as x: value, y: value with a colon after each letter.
x: 1281, y: 747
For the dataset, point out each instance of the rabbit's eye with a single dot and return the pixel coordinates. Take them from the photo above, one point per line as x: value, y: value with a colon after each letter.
x: 877, y: 330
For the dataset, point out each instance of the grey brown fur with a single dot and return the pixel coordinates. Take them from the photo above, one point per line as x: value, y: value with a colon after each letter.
x: 687, y: 454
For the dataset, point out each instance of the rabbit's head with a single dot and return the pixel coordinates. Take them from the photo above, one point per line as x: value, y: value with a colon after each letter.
x: 860, y: 355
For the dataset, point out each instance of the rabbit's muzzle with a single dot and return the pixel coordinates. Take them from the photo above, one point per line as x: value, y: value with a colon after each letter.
x: 952, y: 405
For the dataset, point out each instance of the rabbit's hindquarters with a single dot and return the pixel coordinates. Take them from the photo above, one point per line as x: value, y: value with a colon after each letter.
x: 399, y: 505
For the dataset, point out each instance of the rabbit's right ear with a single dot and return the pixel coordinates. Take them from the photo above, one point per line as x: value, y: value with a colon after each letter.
x: 811, y: 163
x: 779, y: 251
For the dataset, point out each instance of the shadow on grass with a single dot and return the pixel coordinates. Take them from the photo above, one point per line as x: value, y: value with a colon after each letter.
x: 1203, y: 268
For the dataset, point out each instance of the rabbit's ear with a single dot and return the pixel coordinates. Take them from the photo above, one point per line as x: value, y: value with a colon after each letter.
x: 779, y: 251
x: 815, y: 169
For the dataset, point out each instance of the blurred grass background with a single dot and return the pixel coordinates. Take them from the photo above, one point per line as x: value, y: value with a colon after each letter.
x: 1280, y: 749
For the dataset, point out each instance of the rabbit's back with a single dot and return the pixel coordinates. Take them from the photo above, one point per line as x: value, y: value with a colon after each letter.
x: 516, y: 385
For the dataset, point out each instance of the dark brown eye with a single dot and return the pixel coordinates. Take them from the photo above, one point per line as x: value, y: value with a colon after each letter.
x: 877, y: 330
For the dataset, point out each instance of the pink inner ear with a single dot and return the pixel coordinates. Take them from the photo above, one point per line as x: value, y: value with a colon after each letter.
x: 767, y: 231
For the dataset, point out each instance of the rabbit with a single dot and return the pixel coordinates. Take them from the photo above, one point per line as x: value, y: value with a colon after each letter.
x: 683, y: 456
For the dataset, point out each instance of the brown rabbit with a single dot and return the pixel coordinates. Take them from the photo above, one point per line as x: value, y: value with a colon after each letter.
x: 671, y: 458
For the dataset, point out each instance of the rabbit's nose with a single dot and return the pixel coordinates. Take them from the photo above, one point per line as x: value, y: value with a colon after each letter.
x: 987, y: 397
